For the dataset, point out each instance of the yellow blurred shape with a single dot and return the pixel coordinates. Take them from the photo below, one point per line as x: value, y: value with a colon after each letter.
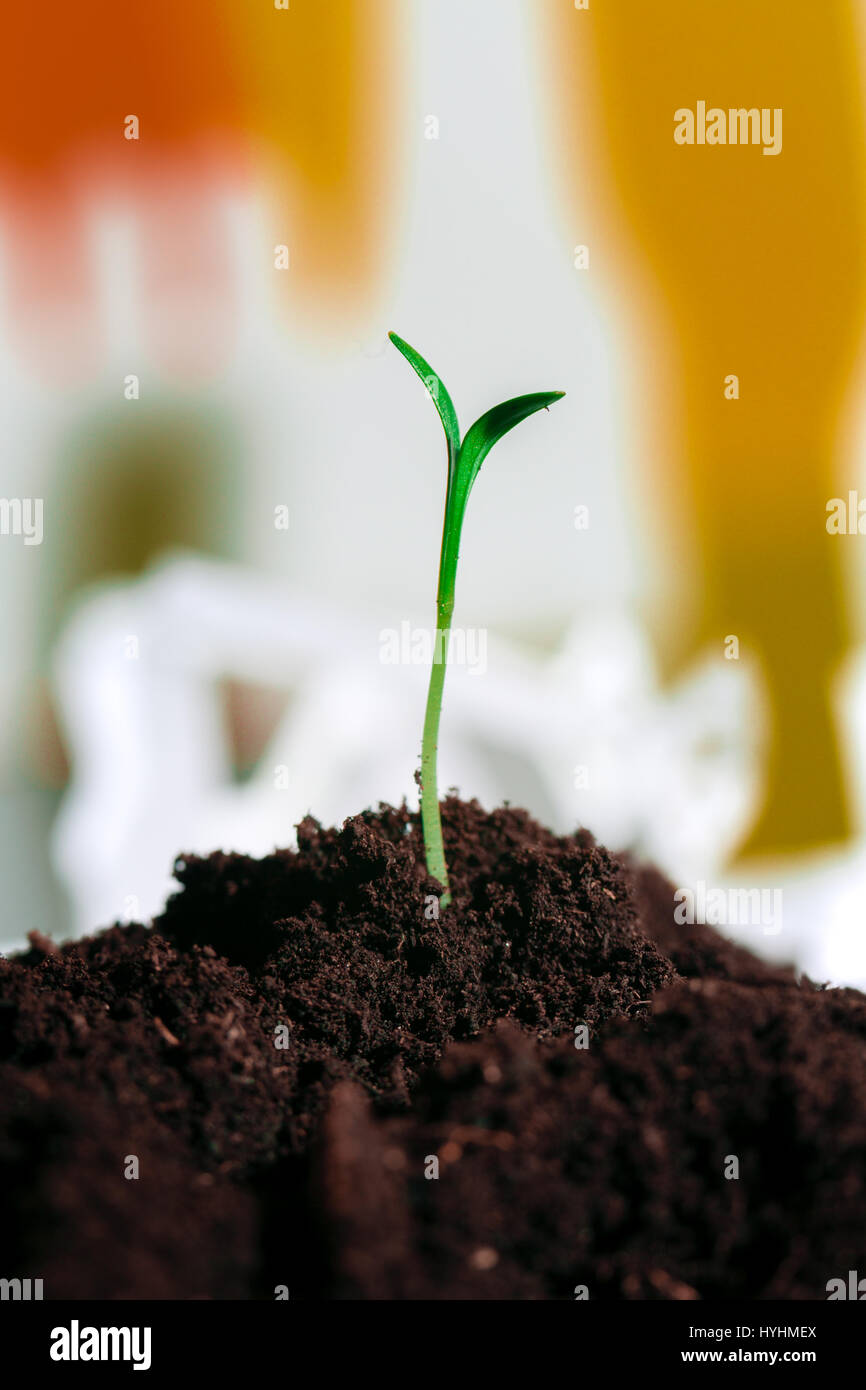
x: 757, y: 262
x: 319, y: 83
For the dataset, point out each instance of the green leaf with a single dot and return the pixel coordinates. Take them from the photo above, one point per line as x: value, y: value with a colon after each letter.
x: 480, y: 439
x: 439, y: 396
x: 489, y: 429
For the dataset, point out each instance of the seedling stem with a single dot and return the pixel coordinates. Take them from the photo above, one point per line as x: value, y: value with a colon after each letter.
x: 464, y: 461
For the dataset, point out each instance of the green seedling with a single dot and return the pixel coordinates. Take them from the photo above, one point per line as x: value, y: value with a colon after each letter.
x: 464, y: 461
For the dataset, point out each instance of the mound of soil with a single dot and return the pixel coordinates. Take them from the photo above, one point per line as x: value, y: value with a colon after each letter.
x: 255, y: 1092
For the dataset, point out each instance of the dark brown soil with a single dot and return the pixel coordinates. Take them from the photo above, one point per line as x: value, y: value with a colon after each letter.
x: 410, y: 1039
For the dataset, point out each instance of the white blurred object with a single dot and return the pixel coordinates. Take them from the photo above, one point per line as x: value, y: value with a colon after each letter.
x: 138, y: 675
x: 584, y: 737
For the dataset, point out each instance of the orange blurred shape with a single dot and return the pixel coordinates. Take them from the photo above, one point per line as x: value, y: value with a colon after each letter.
x: 759, y: 263
x: 209, y: 83
x: 71, y: 73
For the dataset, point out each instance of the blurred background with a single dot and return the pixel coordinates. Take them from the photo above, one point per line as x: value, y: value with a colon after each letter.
x: 210, y: 217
